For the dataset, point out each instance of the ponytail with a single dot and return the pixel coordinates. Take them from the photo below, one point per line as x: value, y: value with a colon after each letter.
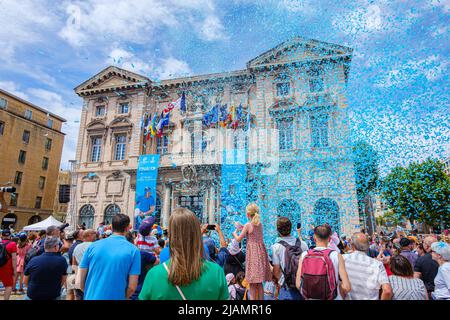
x: 253, y: 211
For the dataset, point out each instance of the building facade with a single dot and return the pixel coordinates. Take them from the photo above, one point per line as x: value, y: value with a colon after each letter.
x: 31, y: 145
x: 294, y: 159
x: 60, y: 209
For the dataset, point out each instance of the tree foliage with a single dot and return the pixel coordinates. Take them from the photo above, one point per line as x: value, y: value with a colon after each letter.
x: 419, y: 192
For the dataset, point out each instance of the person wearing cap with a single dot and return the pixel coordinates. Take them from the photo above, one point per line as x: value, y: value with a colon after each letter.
x: 146, y: 238
x: 70, y: 282
x: 8, y: 271
x: 406, y: 245
x: 46, y: 274
x: 440, y: 251
x: 22, y: 248
x: 231, y: 281
x: 145, y: 205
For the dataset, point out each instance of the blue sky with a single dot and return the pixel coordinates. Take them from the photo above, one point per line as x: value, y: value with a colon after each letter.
x: 398, y: 85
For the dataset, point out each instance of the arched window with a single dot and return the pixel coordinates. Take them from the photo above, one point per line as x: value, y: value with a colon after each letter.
x: 290, y: 209
x: 327, y: 211
x: 110, y: 211
x: 8, y: 220
x: 34, y: 219
x: 87, y: 216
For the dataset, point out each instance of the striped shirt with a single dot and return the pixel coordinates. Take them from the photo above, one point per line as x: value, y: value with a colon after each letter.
x: 366, y: 275
x: 407, y: 288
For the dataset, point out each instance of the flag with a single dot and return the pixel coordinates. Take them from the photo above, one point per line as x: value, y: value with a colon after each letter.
x: 163, y: 122
x: 153, y: 124
x: 183, y: 102
x: 247, y: 121
x: 223, y: 116
x: 215, y: 114
x: 180, y: 103
x: 144, y: 121
x: 236, y: 116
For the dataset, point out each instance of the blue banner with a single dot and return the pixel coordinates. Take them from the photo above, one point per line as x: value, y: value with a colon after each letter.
x: 147, y: 174
x: 234, y: 190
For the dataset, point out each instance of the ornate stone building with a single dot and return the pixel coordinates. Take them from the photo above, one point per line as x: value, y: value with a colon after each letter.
x: 295, y: 96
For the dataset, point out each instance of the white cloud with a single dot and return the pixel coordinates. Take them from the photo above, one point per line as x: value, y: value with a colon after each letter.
x: 24, y: 22
x: 432, y: 68
x: 212, y: 29
x: 13, y: 88
x: 173, y: 68
x: 56, y: 104
x: 136, y: 21
x: 306, y: 7
x: 163, y: 68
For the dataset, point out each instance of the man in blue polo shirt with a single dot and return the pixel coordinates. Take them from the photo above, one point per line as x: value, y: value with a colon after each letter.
x: 110, y: 267
x: 45, y: 274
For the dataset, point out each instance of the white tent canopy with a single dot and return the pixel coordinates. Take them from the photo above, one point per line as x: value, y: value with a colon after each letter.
x: 43, y: 225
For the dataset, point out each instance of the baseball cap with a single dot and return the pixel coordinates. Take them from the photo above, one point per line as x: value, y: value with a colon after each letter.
x: 22, y: 236
x: 6, y: 232
x: 70, y: 236
x: 146, y: 226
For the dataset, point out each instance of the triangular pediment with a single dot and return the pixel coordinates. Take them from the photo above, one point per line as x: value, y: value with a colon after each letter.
x: 112, y: 78
x: 298, y: 49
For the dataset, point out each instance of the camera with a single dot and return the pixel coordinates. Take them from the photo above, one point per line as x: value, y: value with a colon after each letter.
x: 211, y: 227
x: 8, y: 189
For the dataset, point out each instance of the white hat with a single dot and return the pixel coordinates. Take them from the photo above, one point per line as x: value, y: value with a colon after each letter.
x: 233, y: 247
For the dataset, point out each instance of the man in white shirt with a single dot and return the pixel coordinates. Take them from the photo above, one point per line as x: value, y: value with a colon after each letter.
x: 89, y: 236
x: 284, y: 227
x: 367, y: 275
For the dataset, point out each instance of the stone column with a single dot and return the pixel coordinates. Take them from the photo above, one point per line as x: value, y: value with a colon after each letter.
x: 166, y: 205
x: 206, y: 204
x: 212, y: 205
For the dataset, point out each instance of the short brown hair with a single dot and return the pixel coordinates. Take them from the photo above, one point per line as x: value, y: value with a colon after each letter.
x: 322, y: 232
x: 400, y: 266
x: 284, y: 226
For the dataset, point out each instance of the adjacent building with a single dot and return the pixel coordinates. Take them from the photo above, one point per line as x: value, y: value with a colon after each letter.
x: 294, y: 160
x: 31, y: 145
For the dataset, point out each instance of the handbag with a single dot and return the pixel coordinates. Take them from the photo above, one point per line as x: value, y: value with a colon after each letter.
x: 178, y: 288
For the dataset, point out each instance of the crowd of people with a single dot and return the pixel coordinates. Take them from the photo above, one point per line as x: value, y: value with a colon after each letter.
x: 184, y: 262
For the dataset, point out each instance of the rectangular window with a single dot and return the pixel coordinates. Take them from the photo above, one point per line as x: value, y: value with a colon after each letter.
x: 38, y: 203
x: 121, y: 147
x: 3, y: 103
x: 316, y: 80
x: 18, y: 177
x: 50, y: 123
x: 45, y: 163
x: 48, y: 144
x: 162, y: 145
x: 28, y: 114
x: 319, y: 130
x: 14, y: 200
x: 2, y: 127
x: 96, y: 149
x: 285, y: 134
x: 283, y: 89
x: 26, y: 136
x: 41, y: 183
x: 123, y: 107
x: 22, y: 156
x: 100, y: 111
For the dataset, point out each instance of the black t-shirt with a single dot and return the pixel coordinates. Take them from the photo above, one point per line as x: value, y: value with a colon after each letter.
x: 45, y: 272
x: 234, y: 264
x: 428, y: 268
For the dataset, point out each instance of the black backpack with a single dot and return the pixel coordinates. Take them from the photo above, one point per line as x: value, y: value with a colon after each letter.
x: 33, y: 252
x: 4, y: 255
x: 291, y: 259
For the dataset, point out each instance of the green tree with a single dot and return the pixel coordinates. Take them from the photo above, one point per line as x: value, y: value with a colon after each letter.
x: 419, y: 192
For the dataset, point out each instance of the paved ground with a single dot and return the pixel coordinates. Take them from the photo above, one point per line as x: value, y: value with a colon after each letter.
x: 13, y: 296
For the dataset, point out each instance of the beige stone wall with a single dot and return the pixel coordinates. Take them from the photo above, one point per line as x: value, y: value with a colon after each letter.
x: 10, y: 145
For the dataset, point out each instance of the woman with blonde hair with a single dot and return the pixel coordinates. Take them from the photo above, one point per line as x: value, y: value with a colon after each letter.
x: 187, y: 275
x: 257, y: 261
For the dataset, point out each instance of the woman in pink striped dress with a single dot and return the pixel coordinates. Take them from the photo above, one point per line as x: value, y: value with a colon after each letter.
x: 257, y: 267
